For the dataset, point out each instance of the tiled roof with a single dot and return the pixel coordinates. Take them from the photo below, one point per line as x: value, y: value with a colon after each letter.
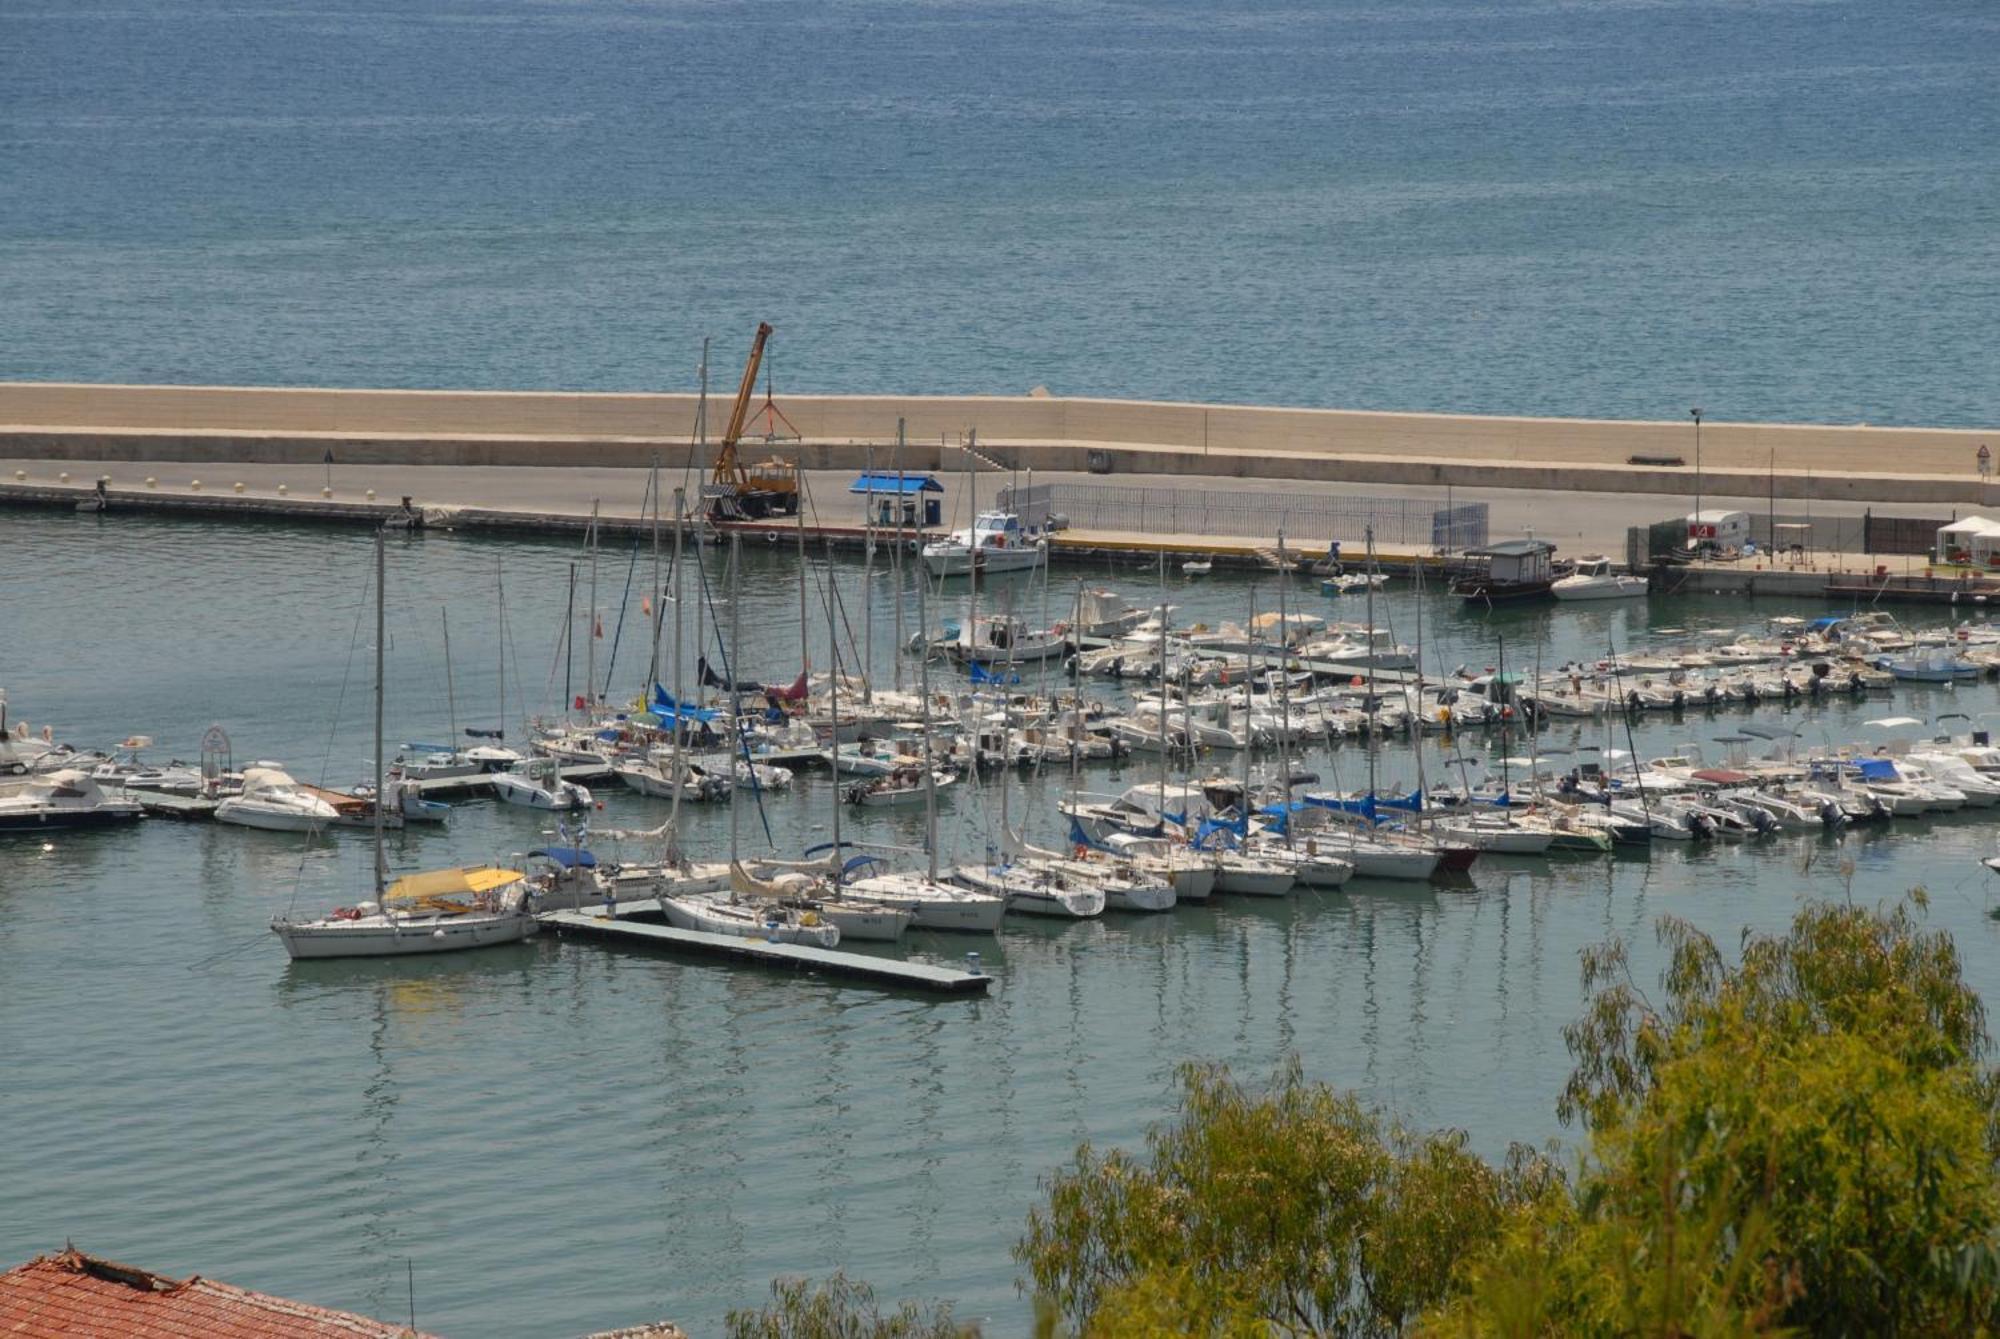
x: 76, y: 1296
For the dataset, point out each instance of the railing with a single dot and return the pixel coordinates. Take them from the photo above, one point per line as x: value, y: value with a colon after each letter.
x: 1303, y: 518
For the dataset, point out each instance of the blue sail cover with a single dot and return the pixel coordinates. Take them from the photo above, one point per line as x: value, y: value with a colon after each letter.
x: 1368, y: 805
x: 669, y: 710
x: 1876, y: 769
x: 980, y: 674
x: 1228, y: 830
x: 569, y: 857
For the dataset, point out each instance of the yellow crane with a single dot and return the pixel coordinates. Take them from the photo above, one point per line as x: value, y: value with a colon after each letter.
x: 766, y: 488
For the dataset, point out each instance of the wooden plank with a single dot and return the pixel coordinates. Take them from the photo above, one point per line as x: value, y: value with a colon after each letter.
x: 595, y: 923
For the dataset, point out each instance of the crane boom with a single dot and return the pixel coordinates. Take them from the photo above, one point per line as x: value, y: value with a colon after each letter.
x: 727, y: 469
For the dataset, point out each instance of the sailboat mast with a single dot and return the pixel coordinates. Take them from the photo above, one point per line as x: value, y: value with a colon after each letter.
x: 381, y: 635
x: 896, y: 557
x: 930, y: 776
x: 805, y: 624
x: 1284, y: 691
x: 1162, y: 621
x: 833, y: 699
x: 679, y: 781
x: 569, y: 644
x: 450, y: 694
x: 1255, y: 648
x: 500, y: 597
x: 1370, y: 652
x: 735, y: 696
x: 658, y: 593
x: 867, y: 590
x: 590, y: 656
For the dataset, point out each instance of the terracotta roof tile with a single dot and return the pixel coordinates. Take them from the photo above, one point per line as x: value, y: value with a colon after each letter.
x: 77, y: 1296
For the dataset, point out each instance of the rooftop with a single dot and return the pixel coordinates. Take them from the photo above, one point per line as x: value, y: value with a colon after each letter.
x: 79, y: 1296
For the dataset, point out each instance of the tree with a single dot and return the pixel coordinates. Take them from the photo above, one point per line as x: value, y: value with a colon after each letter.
x: 1800, y: 1143
x: 841, y: 1308
x: 1295, y: 1208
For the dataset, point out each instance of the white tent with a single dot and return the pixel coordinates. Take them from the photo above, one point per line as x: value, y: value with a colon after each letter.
x: 1972, y: 541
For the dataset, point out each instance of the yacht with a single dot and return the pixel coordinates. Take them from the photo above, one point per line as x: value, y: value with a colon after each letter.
x: 64, y: 799
x: 273, y: 801
x: 1594, y: 580
x: 537, y: 783
x: 931, y: 904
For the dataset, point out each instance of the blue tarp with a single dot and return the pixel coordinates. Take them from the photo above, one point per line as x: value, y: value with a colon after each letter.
x: 1367, y: 805
x: 569, y: 857
x: 980, y: 674
x: 667, y: 709
x: 1228, y: 829
x: 1876, y: 769
x: 892, y: 483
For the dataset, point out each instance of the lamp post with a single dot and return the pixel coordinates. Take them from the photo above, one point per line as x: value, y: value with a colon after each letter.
x: 1696, y: 412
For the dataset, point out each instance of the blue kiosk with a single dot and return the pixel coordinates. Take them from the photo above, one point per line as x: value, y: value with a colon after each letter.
x: 891, y: 500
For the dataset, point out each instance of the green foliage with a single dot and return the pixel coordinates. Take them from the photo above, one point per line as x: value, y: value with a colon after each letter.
x: 1295, y: 1208
x: 841, y: 1308
x: 1801, y: 1143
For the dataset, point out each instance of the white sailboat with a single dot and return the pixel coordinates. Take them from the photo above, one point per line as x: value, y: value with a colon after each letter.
x: 433, y: 912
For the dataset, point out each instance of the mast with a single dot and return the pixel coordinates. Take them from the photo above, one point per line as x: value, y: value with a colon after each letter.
x: 680, y: 707
x: 381, y: 635
x: 867, y: 588
x: 590, y: 647
x: 1161, y: 619
x: 450, y: 694
x: 500, y: 594
x: 1254, y: 649
x: 658, y: 594
x: 1506, y: 718
x: 1369, y: 651
x: 930, y: 776
x: 735, y: 696
x: 1284, y: 692
x: 569, y: 645
x: 833, y: 699
x: 805, y: 625
x: 896, y: 557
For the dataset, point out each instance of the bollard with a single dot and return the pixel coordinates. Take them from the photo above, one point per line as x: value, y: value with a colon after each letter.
x: 972, y: 963
x: 196, y: 485
x: 371, y: 495
x: 281, y: 490
x: 152, y: 482
x: 238, y: 486
x: 20, y: 476
x: 326, y: 492
x: 63, y: 477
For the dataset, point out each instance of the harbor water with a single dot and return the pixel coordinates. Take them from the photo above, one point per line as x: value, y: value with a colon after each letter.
x: 559, y: 1136
x: 1774, y: 210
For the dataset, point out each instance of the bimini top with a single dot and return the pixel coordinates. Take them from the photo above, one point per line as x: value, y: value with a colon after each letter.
x: 460, y: 882
x: 896, y: 483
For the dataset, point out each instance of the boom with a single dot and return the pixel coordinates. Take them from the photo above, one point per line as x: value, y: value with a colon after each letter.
x: 727, y: 468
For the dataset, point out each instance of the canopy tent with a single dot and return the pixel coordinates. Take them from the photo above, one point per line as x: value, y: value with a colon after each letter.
x: 1973, y: 541
x: 896, y: 483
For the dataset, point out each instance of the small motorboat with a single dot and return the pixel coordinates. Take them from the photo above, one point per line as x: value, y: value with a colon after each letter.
x: 64, y: 799
x: 537, y: 783
x: 1197, y: 567
x: 1593, y: 579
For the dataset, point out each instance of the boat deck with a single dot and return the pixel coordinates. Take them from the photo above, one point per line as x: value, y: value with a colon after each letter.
x: 461, y: 787
x: 624, y: 928
x: 160, y: 804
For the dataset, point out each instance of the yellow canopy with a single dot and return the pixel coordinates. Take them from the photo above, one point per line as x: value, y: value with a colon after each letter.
x: 460, y: 882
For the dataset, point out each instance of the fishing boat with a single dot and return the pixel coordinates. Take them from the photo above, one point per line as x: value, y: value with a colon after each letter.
x: 900, y: 789
x: 65, y: 799
x: 1516, y: 569
x: 993, y: 639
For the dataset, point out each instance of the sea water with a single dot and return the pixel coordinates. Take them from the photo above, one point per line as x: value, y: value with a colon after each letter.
x: 1778, y: 210
x: 559, y: 1136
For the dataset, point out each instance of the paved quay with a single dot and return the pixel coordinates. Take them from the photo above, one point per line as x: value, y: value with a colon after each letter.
x: 1577, y: 522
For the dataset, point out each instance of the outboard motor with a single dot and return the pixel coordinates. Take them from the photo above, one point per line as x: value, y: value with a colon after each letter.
x: 1633, y: 703
x: 1832, y: 815
x: 1701, y: 825
x: 1763, y: 820
x: 1680, y: 699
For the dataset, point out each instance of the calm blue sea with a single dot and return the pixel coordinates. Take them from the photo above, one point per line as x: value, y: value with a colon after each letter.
x: 1787, y: 209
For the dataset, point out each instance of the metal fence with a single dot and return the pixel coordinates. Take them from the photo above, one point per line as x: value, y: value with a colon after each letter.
x: 1303, y: 517
x: 1866, y: 534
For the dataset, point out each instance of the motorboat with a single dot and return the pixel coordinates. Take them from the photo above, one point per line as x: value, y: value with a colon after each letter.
x: 433, y: 912
x: 273, y: 801
x: 997, y: 542
x: 898, y: 790
x: 65, y: 799
x: 659, y: 778
x: 1516, y: 569
x: 537, y: 783
x: 998, y: 639
x: 438, y: 762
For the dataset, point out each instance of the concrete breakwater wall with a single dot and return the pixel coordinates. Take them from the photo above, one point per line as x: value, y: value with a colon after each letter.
x: 69, y: 421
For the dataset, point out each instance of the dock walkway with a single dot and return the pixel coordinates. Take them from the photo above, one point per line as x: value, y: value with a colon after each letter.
x: 623, y: 928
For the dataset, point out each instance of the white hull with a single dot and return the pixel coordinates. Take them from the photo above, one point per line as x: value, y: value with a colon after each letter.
x: 1253, y: 878
x: 955, y: 560
x: 934, y: 906
x: 271, y: 818
x: 743, y: 920
x: 1378, y: 862
x: 386, y: 937
x: 860, y: 922
x: 1600, y: 588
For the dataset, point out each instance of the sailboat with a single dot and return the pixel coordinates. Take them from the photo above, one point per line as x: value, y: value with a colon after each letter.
x: 433, y: 912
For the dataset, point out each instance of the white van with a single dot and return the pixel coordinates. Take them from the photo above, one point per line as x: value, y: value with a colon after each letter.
x: 1718, y: 529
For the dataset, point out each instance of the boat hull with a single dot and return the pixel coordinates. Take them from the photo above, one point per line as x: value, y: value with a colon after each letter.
x: 377, y: 937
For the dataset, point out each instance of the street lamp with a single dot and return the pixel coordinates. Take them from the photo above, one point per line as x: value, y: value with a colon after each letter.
x: 1696, y: 411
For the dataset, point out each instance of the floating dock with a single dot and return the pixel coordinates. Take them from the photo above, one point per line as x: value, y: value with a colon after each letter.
x: 163, y: 804
x: 623, y: 929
